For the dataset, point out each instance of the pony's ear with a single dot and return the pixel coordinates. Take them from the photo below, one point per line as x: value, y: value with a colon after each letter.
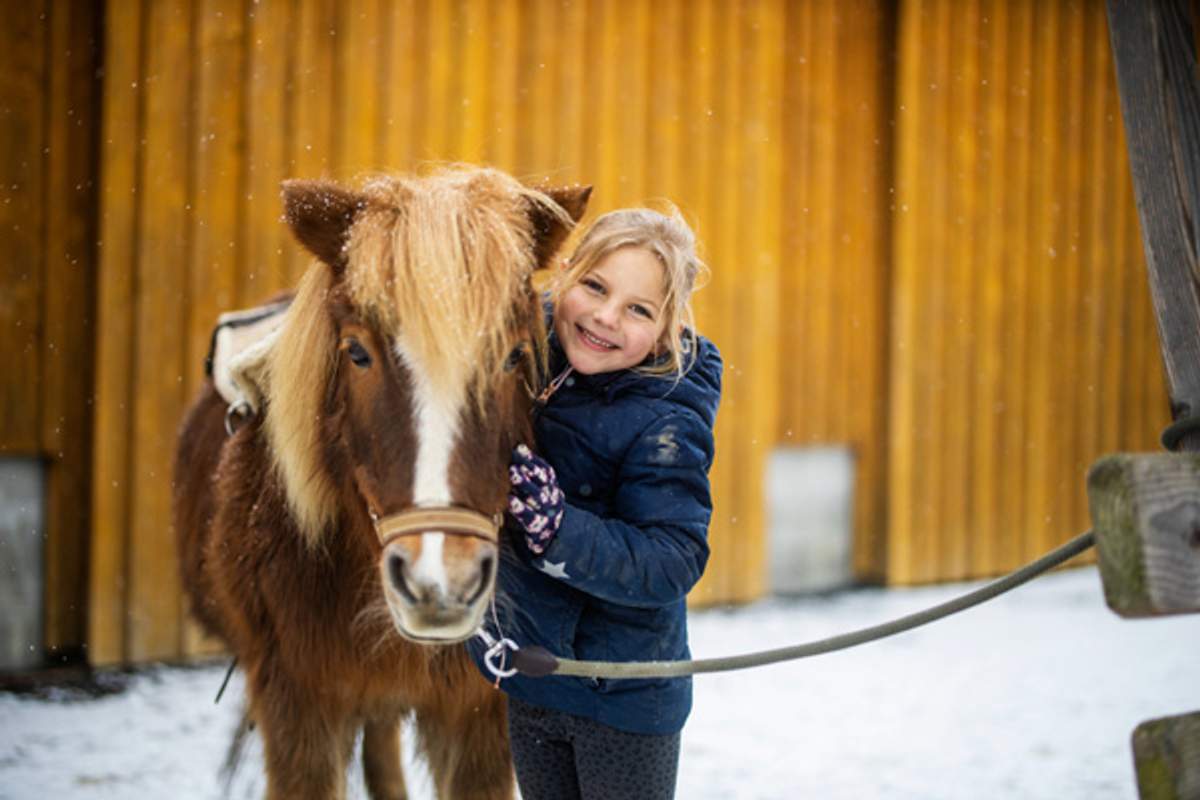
x: 320, y: 214
x: 548, y: 230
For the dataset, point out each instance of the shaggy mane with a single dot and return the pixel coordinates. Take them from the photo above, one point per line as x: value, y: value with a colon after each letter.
x: 301, y: 365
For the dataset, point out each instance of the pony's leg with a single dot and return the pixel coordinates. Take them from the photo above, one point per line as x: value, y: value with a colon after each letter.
x: 306, y: 752
x: 381, y: 760
x: 466, y: 742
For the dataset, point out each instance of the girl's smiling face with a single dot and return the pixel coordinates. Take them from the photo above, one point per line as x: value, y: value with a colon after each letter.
x: 613, y: 317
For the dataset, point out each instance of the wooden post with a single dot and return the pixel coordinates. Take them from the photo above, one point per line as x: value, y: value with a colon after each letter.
x: 1146, y: 509
x: 1155, y: 57
x: 1146, y: 517
x: 1167, y: 755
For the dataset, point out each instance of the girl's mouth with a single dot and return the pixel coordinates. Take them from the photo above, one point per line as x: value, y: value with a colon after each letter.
x: 593, y: 341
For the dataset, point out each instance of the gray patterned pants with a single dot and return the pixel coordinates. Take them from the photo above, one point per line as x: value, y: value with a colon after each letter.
x: 560, y: 756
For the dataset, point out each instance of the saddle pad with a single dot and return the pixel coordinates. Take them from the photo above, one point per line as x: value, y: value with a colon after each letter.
x: 240, y: 342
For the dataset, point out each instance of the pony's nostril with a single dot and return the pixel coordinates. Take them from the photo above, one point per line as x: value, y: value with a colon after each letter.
x: 395, y: 568
x: 487, y: 566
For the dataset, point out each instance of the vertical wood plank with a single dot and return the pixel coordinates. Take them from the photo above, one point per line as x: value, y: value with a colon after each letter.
x: 701, y: 60
x: 665, y: 144
x: 269, y: 38
x: 1041, y: 350
x: 929, y: 291
x: 1107, y: 196
x: 761, y: 31
x: 475, y: 113
x: 155, y: 601
x: 797, y: 93
x: 360, y: 125
x: 961, y: 328
x: 315, y: 30
x: 505, y: 124
x: 1160, y: 114
x: 212, y: 283
x: 1018, y: 200
x: 990, y: 521
x: 23, y: 91
x: 819, y: 217
x: 538, y: 92
x: 866, y: 61
x: 215, y: 248
x: 574, y: 70
x: 400, y: 90
x: 727, y: 195
x: 312, y: 80
x: 1074, y: 457
x: 442, y: 90
x: 67, y: 345
x: 905, y: 253
x: 124, y: 98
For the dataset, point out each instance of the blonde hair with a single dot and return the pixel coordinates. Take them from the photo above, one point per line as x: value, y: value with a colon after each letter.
x: 670, y: 240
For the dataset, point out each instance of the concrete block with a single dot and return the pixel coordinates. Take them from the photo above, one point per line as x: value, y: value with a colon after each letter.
x: 810, y: 502
x: 22, y: 556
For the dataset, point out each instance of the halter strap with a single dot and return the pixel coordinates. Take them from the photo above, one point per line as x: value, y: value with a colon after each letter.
x: 448, y: 519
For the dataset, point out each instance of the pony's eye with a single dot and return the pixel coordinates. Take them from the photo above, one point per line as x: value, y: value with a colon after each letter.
x: 358, y: 354
x: 514, y: 358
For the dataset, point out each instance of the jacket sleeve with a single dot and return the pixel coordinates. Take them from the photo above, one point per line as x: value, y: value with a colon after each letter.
x: 655, y: 546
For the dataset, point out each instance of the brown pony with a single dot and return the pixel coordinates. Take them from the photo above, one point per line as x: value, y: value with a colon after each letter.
x: 343, y: 543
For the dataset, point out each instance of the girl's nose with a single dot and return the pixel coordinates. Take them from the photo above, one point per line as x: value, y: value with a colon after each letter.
x: 607, y: 315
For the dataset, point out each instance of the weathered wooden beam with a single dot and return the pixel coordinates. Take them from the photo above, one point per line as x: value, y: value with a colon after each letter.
x: 1166, y: 755
x: 1154, y: 54
x: 1146, y: 517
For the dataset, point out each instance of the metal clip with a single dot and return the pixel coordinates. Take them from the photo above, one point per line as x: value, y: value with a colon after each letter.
x: 235, y: 415
x: 496, y: 650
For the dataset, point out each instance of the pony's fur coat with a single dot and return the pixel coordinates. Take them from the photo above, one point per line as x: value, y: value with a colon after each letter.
x: 277, y: 550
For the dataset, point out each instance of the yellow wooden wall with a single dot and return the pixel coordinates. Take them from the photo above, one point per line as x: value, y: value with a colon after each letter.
x: 834, y: 271
x: 48, y: 124
x: 210, y: 103
x: 1022, y: 343
x: 918, y: 218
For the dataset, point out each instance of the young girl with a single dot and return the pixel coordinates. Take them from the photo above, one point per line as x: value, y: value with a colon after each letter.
x: 611, y: 533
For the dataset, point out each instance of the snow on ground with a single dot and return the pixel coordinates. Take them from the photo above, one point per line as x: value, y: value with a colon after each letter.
x: 1033, y: 695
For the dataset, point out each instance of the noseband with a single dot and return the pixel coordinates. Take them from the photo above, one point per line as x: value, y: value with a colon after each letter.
x: 447, y: 519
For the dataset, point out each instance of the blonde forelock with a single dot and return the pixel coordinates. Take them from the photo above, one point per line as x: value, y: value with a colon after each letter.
x: 442, y: 263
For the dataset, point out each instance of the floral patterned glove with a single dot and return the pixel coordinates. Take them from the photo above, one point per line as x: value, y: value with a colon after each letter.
x: 535, y: 501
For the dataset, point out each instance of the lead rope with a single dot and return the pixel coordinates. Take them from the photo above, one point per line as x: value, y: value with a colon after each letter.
x: 537, y: 661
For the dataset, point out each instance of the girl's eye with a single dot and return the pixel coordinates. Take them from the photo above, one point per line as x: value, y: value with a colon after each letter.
x: 358, y: 354
x: 641, y: 311
x: 514, y: 358
x: 593, y: 285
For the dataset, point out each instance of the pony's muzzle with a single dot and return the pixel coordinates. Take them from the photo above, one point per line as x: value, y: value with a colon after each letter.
x: 438, y: 586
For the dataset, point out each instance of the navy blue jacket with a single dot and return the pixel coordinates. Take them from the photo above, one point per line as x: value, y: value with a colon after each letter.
x: 632, y: 454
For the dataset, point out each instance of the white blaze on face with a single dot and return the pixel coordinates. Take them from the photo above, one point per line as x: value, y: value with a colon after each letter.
x: 437, y: 415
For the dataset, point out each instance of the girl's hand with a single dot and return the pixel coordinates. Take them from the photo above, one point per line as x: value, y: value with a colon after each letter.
x: 535, y: 500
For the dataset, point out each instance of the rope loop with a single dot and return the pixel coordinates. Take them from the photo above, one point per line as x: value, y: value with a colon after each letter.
x: 1173, y: 434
